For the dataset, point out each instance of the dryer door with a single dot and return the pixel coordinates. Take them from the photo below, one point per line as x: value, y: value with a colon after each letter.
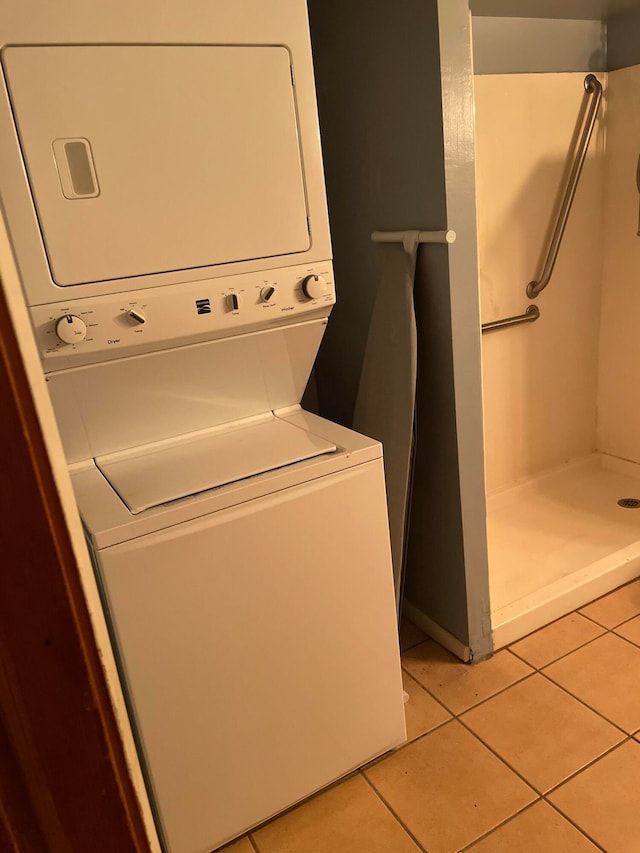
x: 148, y: 159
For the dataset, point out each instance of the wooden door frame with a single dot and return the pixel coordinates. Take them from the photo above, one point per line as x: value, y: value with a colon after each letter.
x: 64, y: 781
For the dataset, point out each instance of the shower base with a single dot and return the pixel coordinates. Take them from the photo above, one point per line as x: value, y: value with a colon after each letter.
x: 559, y: 540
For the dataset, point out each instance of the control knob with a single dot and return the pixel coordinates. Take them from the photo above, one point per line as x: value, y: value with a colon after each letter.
x: 314, y: 286
x: 71, y: 329
x: 233, y: 302
x: 136, y: 315
x: 267, y: 292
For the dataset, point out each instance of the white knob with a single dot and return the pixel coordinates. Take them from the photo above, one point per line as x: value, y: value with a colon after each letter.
x: 71, y: 329
x: 233, y: 302
x: 136, y: 315
x: 267, y: 292
x: 314, y: 286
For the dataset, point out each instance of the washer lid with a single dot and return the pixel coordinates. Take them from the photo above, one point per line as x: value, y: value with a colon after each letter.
x: 149, y: 159
x: 157, y: 474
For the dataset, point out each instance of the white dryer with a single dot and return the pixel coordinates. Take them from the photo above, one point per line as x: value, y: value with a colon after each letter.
x: 162, y: 186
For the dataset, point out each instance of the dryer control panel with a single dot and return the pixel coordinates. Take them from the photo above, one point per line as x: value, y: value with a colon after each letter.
x: 85, y: 331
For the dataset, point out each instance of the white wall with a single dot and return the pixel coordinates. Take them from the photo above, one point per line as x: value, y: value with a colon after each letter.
x: 619, y: 382
x: 539, y: 380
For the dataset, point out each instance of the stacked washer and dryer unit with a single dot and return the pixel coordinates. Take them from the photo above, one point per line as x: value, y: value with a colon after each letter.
x: 162, y: 186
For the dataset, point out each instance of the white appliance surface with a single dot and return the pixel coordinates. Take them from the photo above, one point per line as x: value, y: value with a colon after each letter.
x: 114, y: 405
x: 162, y: 183
x: 256, y: 672
x: 195, y: 151
x: 108, y: 521
x: 157, y: 474
x: 140, y: 321
x: 132, y: 140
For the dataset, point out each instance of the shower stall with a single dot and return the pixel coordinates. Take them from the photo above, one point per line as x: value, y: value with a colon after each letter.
x: 468, y: 114
x: 561, y: 403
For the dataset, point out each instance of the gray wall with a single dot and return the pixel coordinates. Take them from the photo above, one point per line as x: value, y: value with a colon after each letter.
x: 511, y: 36
x: 382, y: 145
x: 624, y: 40
x: 381, y: 117
x: 587, y: 10
x: 508, y: 45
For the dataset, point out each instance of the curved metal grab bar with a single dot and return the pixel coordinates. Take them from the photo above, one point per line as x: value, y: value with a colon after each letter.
x: 592, y: 87
x: 532, y: 313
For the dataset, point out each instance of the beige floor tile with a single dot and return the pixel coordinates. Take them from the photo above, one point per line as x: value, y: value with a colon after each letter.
x: 448, y: 788
x: 630, y: 630
x: 558, y: 639
x: 604, y: 800
x: 422, y: 712
x: 541, y: 731
x: 410, y: 634
x: 349, y: 818
x: 617, y: 607
x: 458, y: 685
x: 539, y: 829
x: 243, y: 845
x: 606, y: 675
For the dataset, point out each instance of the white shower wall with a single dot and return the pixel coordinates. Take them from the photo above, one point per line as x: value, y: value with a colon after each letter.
x: 619, y: 369
x: 540, y: 381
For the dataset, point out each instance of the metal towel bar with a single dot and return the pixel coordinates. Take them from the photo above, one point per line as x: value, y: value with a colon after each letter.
x: 532, y: 313
x: 593, y: 90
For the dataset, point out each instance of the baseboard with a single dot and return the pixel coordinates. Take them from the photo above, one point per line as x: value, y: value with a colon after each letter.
x: 436, y: 632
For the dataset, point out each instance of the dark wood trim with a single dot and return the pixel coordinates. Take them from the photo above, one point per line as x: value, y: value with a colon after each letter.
x: 58, y: 732
x: 19, y: 830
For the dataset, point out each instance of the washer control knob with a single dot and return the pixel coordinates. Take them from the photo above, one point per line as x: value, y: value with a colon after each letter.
x: 137, y: 315
x: 71, y: 329
x: 233, y: 302
x: 266, y: 293
x: 314, y: 286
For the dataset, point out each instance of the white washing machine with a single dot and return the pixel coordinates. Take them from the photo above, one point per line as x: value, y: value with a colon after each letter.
x: 162, y: 185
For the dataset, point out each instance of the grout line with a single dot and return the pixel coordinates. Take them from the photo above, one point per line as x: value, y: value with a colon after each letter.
x: 501, y: 758
x: 393, y: 812
x: 427, y: 691
x: 575, y: 825
x: 614, y: 631
x: 456, y: 714
x: 590, y: 618
x: 588, y: 765
x: 253, y: 843
x: 567, y: 654
x: 516, y: 655
x: 413, y: 645
x: 586, y: 705
x: 555, y: 787
x: 304, y: 801
x: 540, y: 795
x: 501, y: 824
x: 421, y: 735
x: 381, y: 758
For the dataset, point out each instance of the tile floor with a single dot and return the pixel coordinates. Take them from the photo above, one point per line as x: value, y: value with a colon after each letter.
x: 533, y: 751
